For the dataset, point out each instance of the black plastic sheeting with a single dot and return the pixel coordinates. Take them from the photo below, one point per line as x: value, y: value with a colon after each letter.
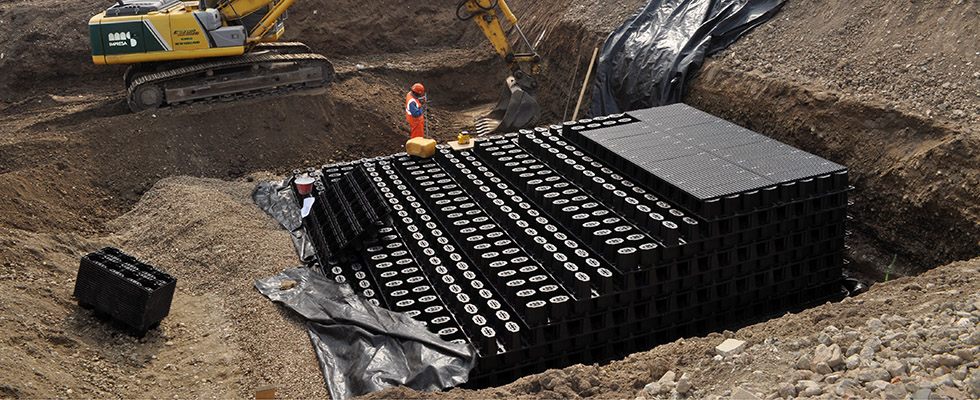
x: 646, y: 61
x: 278, y: 200
x: 363, y: 348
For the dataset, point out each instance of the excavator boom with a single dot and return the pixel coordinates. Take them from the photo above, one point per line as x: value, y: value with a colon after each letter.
x: 517, y: 107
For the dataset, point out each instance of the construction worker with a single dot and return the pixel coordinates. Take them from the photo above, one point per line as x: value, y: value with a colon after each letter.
x: 415, y: 110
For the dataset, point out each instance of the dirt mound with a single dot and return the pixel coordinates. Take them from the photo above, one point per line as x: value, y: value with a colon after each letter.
x: 358, y: 28
x: 45, y: 49
x: 218, y: 340
x: 87, y: 169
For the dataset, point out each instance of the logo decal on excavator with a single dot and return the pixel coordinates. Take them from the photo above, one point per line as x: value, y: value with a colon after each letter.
x: 185, y: 32
x: 121, y: 39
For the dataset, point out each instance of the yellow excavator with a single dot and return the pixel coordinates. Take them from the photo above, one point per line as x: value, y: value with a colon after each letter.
x: 198, y: 51
x: 517, y: 107
x: 193, y: 51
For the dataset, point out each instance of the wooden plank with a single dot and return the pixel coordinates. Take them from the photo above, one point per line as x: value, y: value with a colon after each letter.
x: 588, y: 75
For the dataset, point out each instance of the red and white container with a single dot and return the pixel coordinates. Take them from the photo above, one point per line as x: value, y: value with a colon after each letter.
x: 304, y: 185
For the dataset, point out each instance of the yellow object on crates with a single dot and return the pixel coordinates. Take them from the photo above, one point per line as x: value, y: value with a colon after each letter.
x: 420, y: 147
x: 463, y: 138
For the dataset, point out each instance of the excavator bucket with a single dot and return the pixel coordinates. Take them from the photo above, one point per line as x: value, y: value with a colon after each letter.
x: 517, y: 109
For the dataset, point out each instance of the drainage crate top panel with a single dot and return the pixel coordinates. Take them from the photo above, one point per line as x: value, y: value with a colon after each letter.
x: 705, y: 163
x: 587, y: 241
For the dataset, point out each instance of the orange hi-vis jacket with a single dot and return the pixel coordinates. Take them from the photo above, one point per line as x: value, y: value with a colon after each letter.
x: 415, y: 115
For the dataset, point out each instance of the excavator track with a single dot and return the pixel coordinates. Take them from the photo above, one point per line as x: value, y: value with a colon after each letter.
x: 282, y: 47
x: 230, y: 79
x: 136, y: 70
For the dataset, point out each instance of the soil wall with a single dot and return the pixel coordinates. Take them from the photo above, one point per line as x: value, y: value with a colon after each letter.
x: 89, y: 170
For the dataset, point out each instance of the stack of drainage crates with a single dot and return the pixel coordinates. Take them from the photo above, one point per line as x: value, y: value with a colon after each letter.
x: 125, y: 289
x: 590, y: 240
x: 346, y: 206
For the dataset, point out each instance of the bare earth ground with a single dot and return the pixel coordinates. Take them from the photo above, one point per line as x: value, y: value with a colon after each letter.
x: 889, y: 90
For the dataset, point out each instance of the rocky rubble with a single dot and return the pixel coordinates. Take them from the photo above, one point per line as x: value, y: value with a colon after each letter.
x: 934, y: 356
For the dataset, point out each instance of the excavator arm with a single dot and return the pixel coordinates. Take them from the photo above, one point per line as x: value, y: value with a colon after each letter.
x: 517, y: 107
x: 259, y: 16
x: 267, y: 23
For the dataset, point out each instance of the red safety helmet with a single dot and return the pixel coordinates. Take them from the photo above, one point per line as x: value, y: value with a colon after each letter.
x: 418, y: 89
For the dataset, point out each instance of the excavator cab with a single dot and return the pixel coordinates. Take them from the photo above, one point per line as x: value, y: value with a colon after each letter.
x: 517, y: 108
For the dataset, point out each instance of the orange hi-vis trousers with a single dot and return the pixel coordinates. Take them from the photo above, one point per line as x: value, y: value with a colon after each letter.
x: 418, y: 126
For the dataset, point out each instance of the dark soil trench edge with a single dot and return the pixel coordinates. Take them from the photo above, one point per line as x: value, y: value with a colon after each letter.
x: 924, y: 234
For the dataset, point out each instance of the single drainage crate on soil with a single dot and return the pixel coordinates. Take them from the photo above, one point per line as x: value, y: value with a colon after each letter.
x: 124, y: 288
x: 594, y: 239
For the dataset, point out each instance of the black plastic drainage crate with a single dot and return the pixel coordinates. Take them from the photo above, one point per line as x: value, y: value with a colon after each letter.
x: 124, y: 288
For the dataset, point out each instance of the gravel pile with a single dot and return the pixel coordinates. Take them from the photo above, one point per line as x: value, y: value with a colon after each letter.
x: 908, y: 55
x: 889, y: 357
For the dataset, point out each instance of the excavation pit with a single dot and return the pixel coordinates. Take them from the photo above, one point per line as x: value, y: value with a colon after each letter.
x: 590, y: 240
